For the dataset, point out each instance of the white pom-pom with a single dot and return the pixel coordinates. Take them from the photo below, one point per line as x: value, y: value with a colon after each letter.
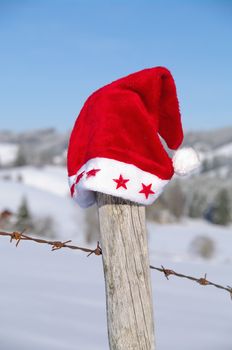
x: 185, y: 161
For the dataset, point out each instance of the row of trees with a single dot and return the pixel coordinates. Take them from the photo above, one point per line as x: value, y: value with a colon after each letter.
x: 217, y: 212
x: 176, y: 203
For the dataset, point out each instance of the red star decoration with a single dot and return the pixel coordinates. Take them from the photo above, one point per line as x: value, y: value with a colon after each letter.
x: 79, y: 177
x: 92, y: 172
x: 146, y: 190
x: 72, y: 189
x: 121, y: 182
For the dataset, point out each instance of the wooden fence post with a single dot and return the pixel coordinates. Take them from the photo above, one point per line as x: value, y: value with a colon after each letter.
x: 127, y: 274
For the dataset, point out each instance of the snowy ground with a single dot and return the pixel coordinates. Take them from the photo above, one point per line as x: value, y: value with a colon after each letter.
x: 55, y: 300
x: 52, y: 179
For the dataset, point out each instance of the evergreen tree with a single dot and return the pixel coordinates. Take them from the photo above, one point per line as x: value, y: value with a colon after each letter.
x: 24, y: 218
x: 20, y: 158
x: 222, y: 210
x: 197, y: 205
x: 175, y: 200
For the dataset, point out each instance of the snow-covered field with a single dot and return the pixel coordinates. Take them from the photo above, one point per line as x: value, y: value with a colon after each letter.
x: 55, y: 300
x: 48, y: 178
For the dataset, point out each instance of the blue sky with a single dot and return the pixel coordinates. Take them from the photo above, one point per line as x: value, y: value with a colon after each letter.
x: 53, y: 54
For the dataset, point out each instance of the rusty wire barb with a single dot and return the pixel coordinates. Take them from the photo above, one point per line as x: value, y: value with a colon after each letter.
x: 20, y: 236
x: 202, y: 280
x: 56, y: 245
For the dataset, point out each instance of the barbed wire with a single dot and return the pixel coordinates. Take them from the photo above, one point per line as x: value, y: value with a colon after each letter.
x: 202, y: 280
x: 20, y: 236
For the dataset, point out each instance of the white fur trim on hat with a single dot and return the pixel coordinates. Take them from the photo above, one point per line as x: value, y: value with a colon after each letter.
x: 103, y: 175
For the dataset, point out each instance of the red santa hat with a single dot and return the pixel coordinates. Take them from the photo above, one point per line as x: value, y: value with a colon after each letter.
x: 115, y: 145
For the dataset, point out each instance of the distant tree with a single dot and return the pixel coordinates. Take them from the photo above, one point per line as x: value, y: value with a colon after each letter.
x: 159, y: 212
x: 44, y: 226
x: 206, y: 165
x: 197, y: 205
x: 23, y: 217
x: 221, y: 214
x: 175, y: 200
x: 20, y: 158
x: 153, y: 212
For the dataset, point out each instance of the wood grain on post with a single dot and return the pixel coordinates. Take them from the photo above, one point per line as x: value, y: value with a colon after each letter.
x: 127, y: 274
